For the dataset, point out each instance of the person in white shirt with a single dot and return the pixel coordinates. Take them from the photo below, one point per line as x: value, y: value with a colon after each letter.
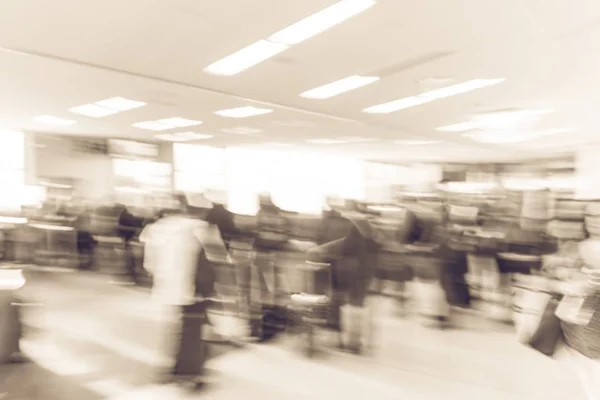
x: 177, y: 250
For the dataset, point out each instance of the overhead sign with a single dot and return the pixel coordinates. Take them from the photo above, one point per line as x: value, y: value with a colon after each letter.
x: 131, y: 149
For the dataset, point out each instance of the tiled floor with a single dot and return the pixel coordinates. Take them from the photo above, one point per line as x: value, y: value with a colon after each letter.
x: 93, y: 340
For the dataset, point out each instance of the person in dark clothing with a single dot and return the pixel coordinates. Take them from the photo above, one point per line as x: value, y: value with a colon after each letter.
x: 86, y: 244
x: 221, y: 217
x: 128, y: 227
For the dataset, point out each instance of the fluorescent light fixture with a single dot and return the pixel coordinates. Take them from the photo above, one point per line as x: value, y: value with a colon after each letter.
x: 460, y: 127
x: 243, y: 112
x: 321, y: 21
x: 92, y: 110
x: 50, y: 120
x: 431, y: 96
x: 326, y: 141
x: 107, y: 107
x: 178, y: 122
x: 120, y: 104
x: 166, y: 124
x: 241, y: 130
x: 338, y: 87
x: 416, y: 142
x: 183, y: 136
x: 152, y: 126
x: 508, y: 119
x: 245, y: 58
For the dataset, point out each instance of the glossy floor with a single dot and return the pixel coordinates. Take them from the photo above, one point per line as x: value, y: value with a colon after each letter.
x: 90, y: 339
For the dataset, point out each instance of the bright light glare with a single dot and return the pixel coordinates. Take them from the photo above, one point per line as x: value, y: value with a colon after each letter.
x: 120, y: 104
x: 11, y: 279
x: 321, y: 21
x: 338, y: 87
x: 243, y: 112
x: 93, y: 110
x: 13, y: 220
x: 245, y: 58
x: 431, y: 96
x: 178, y: 122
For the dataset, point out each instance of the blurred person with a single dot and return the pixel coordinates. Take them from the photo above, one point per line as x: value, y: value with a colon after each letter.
x: 128, y: 227
x: 86, y: 243
x: 178, y: 248
x: 347, y: 245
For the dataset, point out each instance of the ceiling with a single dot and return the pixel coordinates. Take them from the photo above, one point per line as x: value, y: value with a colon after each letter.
x: 63, y: 53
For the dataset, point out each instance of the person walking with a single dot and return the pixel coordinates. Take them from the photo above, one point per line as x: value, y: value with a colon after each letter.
x: 178, y: 248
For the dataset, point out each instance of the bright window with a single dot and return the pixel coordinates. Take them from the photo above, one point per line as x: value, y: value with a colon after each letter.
x: 12, y: 174
x: 198, y: 168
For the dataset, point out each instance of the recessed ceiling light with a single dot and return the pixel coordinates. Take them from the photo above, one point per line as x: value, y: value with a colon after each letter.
x: 326, y: 141
x: 92, y: 110
x: 243, y: 112
x: 50, y: 120
x: 240, y: 130
x: 338, y: 87
x: 321, y: 21
x: 152, y: 126
x: 107, y: 107
x: 120, y: 104
x: 416, y: 142
x: 178, y: 122
x: 245, y: 58
x: 431, y: 96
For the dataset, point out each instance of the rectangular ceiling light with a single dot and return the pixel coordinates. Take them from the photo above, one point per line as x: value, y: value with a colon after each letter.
x: 245, y: 58
x: 50, y: 120
x: 432, y: 95
x: 321, y: 21
x: 92, y: 110
x: 243, y: 112
x: 338, y: 87
x: 120, y: 104
x: 152, y: 126
x: 107, y: 107
x: 178, y: 122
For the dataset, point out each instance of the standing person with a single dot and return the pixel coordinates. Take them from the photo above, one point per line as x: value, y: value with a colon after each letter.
x: 86, y: 244
x: 128, y: 226
x: 178, y: 249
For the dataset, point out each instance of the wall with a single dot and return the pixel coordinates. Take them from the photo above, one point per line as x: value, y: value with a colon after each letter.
x: 56, y: 158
